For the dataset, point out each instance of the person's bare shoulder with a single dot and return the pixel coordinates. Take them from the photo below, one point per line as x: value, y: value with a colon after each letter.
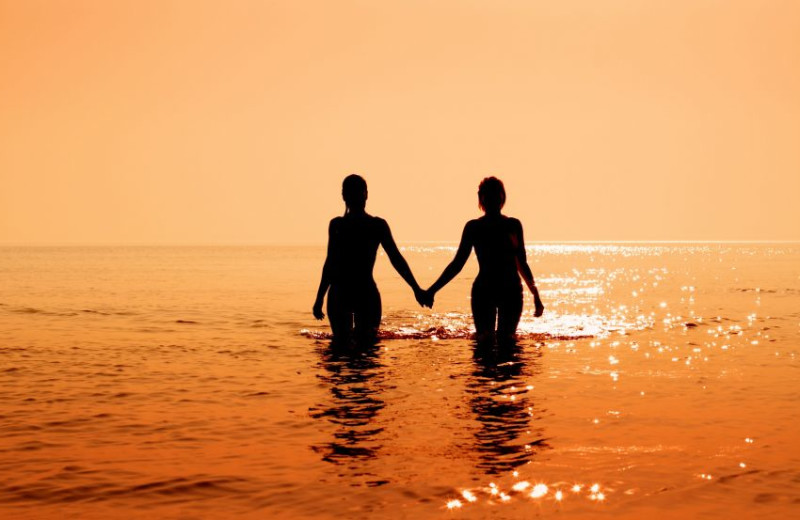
x: 514, y: 224
x: 379, y: 223
x: 336, y: 226
x: 471, y: 224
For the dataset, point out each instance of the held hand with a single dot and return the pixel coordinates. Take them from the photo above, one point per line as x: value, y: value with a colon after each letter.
x: 419, y: 295
x: 429, y: 297
x: 424, y: 298
x: 317, y: 310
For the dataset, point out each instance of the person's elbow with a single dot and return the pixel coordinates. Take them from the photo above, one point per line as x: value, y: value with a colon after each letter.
x: 455, y: 267
x: 399, y: 263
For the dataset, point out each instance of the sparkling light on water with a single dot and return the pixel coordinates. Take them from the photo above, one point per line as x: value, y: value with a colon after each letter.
x: 468, y: 496
x: 198, y: 352
x: 453, y: 504
x: 539, y: 490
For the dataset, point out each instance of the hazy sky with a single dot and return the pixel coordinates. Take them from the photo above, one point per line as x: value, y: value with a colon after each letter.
x: 199, y: 122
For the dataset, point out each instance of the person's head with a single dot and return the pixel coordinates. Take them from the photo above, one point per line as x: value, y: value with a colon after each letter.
x: 354, y: 193
x: 491, y: 195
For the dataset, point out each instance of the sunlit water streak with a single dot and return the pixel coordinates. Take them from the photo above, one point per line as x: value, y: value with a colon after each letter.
x: 459, y: 326
x: 192, y: 382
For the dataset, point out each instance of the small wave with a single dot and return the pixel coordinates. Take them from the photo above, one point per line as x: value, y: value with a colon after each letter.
x: 91, y: 486
x: 437, y: 333
x: 35, y: 446
x: 47, y: 312
x: 108, y: 313
x: 28, y: 310
x: 33, y: 310
x: 256, y: 394
x: 6, y: 350
x: 457, y: 326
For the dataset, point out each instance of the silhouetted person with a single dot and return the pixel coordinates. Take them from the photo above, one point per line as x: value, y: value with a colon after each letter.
x: 354, y: 303
x: 500, y: 248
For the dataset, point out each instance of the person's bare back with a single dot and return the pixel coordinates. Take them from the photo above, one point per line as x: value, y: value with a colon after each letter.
x: 500, y: 247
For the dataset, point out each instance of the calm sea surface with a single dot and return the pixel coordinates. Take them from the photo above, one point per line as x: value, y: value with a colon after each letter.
x: 194, y: 383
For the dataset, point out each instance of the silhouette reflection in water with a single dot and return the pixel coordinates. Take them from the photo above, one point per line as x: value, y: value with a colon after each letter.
x: 356, y: 380
x: 502, y: 403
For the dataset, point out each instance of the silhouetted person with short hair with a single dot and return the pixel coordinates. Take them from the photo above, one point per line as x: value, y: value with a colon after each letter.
x: 354, y: 303
x: 500, y: 248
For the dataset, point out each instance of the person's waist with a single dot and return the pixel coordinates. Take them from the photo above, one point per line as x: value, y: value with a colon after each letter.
x: 354, y: 281
x: 499, y: 280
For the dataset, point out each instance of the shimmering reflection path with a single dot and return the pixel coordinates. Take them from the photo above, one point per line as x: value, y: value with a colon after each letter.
x: 640, y: 392
x: 504, y: 404
x: 176, y: 383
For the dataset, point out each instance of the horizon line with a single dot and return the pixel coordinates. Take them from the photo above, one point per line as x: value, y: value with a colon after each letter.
x: 406, y: 244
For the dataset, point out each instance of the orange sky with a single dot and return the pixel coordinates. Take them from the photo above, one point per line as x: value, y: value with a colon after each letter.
x: 198, y: 122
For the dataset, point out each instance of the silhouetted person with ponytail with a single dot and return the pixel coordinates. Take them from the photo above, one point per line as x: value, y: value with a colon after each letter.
x: 354, y: 303
x: 500, y: 248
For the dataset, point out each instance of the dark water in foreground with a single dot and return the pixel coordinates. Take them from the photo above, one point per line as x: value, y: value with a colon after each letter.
x: 194, y: 383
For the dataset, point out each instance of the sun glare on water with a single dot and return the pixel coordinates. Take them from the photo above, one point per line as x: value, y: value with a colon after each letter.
x: 524, y: 490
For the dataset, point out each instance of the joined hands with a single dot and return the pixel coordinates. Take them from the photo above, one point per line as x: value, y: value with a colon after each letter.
x: 424, y: 298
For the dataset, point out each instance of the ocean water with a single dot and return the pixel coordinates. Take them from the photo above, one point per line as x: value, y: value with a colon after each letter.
x: 194, y: 383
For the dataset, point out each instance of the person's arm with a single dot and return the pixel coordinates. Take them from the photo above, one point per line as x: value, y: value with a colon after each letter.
x: 325, y: 282
x: 455, y: 267
x: 525, y: 270
x: 399, y: 263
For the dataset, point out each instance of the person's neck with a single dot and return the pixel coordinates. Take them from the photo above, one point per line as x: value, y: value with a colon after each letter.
x: 493, y: 214
x: 358, y: 212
